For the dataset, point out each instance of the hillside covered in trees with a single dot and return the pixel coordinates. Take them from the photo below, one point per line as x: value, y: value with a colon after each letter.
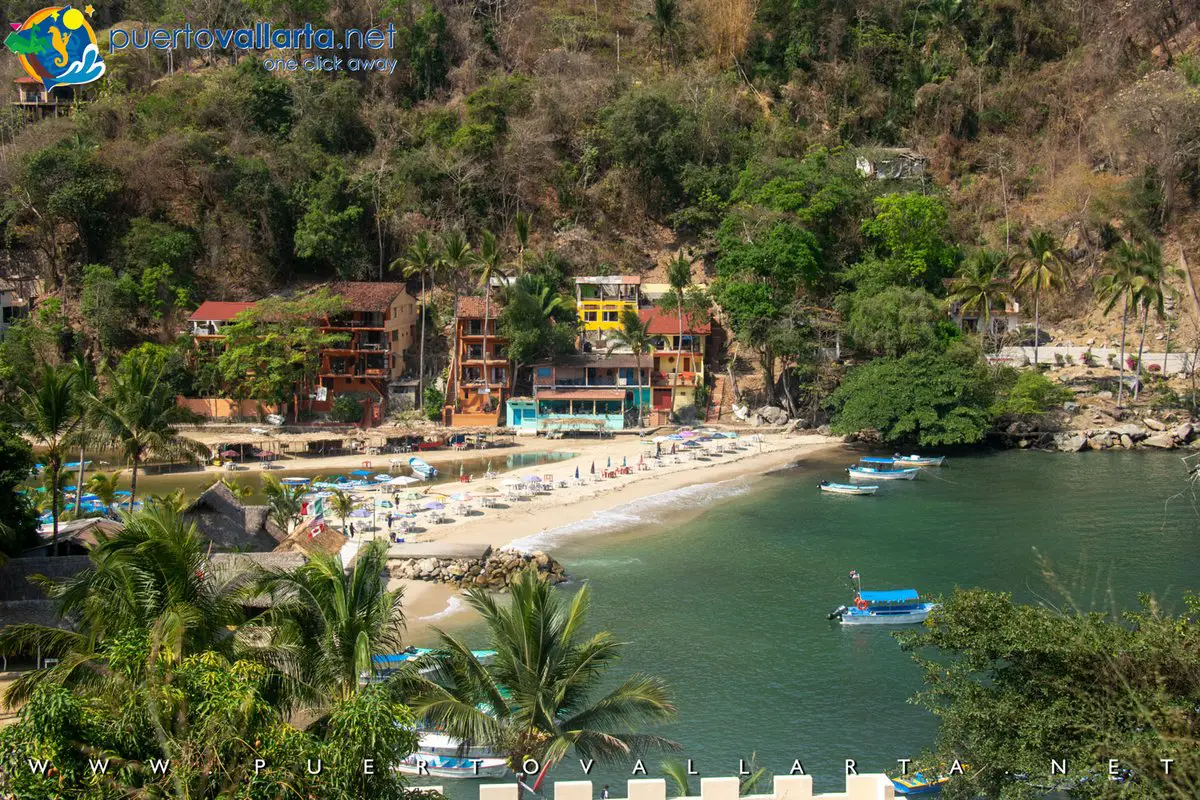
x: 625, y: 133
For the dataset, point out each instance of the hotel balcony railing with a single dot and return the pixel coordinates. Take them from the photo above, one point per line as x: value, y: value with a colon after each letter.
x: 665, y: 378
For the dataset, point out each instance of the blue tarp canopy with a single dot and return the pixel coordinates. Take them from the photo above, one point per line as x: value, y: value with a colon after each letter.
x: 876, y: 460
x: 893, y: 596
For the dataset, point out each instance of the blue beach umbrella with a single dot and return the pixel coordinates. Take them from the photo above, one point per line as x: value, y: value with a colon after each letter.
x: 70, y: 488
x: 576, y: 472
x: 624, y: 462
x: 360, y: 472
x: 359, y: 513
x: 434, y: 505
x: 609, y: 463
x: 123, y: 493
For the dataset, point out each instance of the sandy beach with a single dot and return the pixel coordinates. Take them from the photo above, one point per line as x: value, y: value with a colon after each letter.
x: 512, y: 522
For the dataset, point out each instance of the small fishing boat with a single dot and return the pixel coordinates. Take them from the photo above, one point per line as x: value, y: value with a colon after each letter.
x: 873, y: 474
x: 918, y: 461
x: 846, y: 488
x: 895, y: 607
x: 919, y: 785
x: 881, y: 460
x: 423, y: 764
x: 421, y: 468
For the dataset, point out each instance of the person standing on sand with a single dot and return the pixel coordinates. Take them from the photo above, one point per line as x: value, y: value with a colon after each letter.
x: 604, y: 792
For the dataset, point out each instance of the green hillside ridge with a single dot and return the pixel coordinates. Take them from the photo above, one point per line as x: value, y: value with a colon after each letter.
x: 626, y: 135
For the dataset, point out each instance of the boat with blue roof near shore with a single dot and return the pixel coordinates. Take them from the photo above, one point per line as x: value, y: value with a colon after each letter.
x: 892, y: 607
x: 873, y: 474
x: 915, y: 460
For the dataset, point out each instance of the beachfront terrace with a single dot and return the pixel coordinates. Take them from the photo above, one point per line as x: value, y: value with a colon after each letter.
x: 785, y: 787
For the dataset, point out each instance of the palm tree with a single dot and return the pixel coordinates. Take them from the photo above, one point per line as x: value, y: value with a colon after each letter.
x: 1122, y: 283
x: 138, y: 415
x: 456, y: 256
x: 634, y: 335
x: 342, y: 505
x: 486, y: 267
x: 1153, y: 293
x: 49, y: 413
x: 1043, y: 269
x: 667, y: 24
x: 86, y: 385
x: 105, y: 486
x: 328, y: 624
x: 242, y: 491
x: 521, y: 227
x: 679, y: 276
x: 981, y: 285
x: 420, y: 259
x: 150, y: 579
x: 285, y: 502
x: 534, y: 698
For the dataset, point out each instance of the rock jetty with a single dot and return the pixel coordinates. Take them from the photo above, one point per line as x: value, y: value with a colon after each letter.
x: 495, y: 569
x: 1148, y: 433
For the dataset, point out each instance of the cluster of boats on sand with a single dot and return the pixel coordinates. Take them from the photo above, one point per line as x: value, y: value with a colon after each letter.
x: 880, y: 468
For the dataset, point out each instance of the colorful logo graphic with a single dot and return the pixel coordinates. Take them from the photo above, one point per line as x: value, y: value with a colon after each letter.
x: 57, y: 46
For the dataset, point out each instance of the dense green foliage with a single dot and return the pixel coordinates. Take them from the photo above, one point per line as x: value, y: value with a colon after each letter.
x: 1014, y: 686
x: 935, y: 396
x: 18, y: 523
x: 1029, y: 393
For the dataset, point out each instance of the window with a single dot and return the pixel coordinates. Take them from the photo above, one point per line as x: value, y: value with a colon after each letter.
x: 611, y: 316
x: 589, y: 316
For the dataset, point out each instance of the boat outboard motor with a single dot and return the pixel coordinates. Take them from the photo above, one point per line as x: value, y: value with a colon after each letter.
x: 837, y: 612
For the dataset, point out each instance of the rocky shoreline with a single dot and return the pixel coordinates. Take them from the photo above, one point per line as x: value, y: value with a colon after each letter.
x: 1149, y: 433
x: 495, y: 570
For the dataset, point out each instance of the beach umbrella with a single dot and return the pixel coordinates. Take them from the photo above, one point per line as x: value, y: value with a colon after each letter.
x: 532, y: 479
x: 383, y: 503
x: 89, y: 498
x: 361, y: 472
x: 297, y: 481
x: 609, y: 463
x: 460, y: 497
x: 70, y: 488
x: 123, y: 493
x: 434, y: 505
x: 624, y: 462
x: 229, y: 454
x: 359, y: 513
x: 381, y: 477
x: 576, y: 472
x: 460, y: 469
x: 403, y: 480
x: 593, y: 467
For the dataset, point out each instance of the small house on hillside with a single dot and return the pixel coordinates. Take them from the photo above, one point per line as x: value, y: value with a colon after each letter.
x: 230, y: 524
x: 891, y: 163
x: 75, y: 537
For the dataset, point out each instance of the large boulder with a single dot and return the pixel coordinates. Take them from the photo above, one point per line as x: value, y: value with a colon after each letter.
x: 1154, y: 424
x: 1182, y: 433
x: 771, y: 415
x: 1163, y: 441
x: 1070, y: 442
x: 1130, y: 429
x: 1126, y: 442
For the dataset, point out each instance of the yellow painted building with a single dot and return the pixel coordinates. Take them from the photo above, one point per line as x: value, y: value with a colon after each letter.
x: 602, y: 299
x: 691, y: 352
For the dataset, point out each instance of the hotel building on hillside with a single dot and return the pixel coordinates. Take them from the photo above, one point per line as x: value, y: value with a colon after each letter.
x: 600, y: 301
x: 479, y: 381
x: 584, y: 393
x: 690, y: 352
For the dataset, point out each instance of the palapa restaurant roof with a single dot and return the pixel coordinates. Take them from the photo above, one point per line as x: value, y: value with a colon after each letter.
x: 367, y: 296
x: 581, y: 394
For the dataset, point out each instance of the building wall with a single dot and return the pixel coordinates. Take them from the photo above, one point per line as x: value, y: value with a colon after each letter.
x: 598, y: 308
x: 221, y: 408
x: 784, y: 787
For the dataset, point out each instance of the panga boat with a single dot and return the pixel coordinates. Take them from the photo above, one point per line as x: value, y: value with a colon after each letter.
x: 871, y: 473
x: 422, y: 468
x: 442, y: 756
x: 885, y: 461
x: 846, y: 488
x: 918, y: 461
x: 919, y: 784
x: 895, y: 607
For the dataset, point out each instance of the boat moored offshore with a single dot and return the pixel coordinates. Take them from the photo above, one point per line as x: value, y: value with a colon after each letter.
x: 441, y: 756
x: 918, y: 461
x: 871, y: 474
x: 846, y: 488
x: 421, y: 468
x: 894, y: 607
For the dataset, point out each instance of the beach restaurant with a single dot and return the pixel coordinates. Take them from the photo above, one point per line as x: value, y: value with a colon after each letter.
x: 582, y: 410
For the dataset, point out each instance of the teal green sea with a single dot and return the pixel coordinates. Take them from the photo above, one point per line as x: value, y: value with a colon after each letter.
x: 723, y: 590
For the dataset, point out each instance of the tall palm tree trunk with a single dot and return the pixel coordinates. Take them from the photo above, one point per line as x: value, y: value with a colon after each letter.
x: 1141, y: 344
x: 638, y: 361
x: 1037, y: 321
x: 54, y: 465
x: 1121, y: 379
x: 678, y: 350
x: 421, y: 353
x: 487, y: 313
x: 134, y: 460
x: 79, y: 484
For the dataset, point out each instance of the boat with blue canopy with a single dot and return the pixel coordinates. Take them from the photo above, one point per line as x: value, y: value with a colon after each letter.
x: 871, y: 473
x: 917, y: 461
x: 846, y: 488
x: 883, y: 460
x: 891, y: 607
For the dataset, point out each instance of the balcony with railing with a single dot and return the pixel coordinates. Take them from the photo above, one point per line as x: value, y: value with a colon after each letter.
x: 667, y: 378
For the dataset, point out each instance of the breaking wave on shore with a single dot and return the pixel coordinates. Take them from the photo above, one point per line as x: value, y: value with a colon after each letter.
x: 454, y: 605
x: 654, y: 509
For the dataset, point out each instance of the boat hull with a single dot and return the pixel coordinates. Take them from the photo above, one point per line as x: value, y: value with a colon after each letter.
x: 882, y: 475
x: 918, y: 461
x: 848, y: 490
x: 854, y: 616
x: 427, y: 765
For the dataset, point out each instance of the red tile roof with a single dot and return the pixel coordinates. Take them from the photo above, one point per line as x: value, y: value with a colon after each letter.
x: 218, y: 311
x: 471, y: 307
x: 26, y: 79
x: 666, y: 322
x: 367, y: 296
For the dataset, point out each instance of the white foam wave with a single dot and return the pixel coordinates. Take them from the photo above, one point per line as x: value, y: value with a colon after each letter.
x: 453, y: 606
x: 653, y: 509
